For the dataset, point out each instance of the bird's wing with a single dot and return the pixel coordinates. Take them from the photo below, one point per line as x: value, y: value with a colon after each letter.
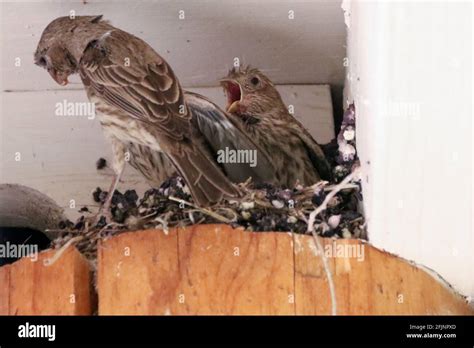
x: 143, y: 86
x: 221, y: 134
x: 315, y: 152
x: 127, y: 74
x: 155, y: 166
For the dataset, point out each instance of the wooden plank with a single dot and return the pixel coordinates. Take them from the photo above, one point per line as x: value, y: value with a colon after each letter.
x: 217, y: 270
x: 392, y: 289
x: 370, y: 281
x: 311, y: 290
x: 226, y: 271
x: 138, y: 273
x: 209, y: 269
x: 213, y: 269
x: 357, y: 278
x: 311, y: 285
x: 63, y: 288
x: 22, y: 287
x: 5, y: 290
x: 405, y: 288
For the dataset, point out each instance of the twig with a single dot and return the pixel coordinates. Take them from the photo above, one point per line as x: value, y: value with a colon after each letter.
x: 163, y: 223
x: 347, y: 186
x: 328, y: 198
x: 57, y: 255
x: 311, y: 220
x: 332, y: 289
x: 203, y: 210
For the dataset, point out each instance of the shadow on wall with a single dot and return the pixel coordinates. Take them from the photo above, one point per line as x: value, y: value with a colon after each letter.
x: 25, y: 216
x: 337, y: 106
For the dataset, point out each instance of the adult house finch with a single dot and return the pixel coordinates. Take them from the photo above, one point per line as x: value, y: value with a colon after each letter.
x: 141, y: 106
x: 253, y: 100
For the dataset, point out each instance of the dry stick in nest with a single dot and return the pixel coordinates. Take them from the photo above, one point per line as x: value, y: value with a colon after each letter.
x: 57, y: 254
x: 203, y: 210
x: 311, y: 220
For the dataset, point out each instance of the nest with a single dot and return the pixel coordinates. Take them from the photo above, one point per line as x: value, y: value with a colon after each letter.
x: 327, y: 209
x: 261, y: 208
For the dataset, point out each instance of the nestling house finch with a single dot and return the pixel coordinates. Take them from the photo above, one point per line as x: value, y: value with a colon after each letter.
x: 254, y: 102
x: 142, y: 107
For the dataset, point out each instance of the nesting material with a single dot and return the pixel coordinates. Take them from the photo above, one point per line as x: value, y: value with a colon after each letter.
x: 262, y: 208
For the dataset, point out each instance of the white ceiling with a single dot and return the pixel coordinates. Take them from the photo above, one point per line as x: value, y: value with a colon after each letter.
x: 307, y: 49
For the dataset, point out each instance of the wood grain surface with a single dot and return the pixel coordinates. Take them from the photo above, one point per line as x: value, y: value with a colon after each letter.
x: 214, y: 269
x: 31, y: 288
x: 217, y: 270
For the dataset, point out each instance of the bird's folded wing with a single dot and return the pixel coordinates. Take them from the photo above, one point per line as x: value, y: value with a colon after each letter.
x: 143, y: 86
x: 223, y: 135
x: 315, y: 153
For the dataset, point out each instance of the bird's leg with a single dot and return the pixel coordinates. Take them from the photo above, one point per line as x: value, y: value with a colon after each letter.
x: 105, y: 208
x: 118, y: 165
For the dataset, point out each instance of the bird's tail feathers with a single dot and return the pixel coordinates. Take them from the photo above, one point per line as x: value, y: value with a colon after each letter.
x: 206, y: 181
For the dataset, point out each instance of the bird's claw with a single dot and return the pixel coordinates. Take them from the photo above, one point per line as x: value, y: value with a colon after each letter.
x: 100, y: 219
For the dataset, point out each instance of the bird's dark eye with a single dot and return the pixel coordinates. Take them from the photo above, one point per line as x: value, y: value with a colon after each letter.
x: 254, y: 81
x: 70, y: 59
x: 42, y: 61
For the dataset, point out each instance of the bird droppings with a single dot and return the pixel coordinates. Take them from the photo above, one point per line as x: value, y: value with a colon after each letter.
x: 278, y: 204
x: 247, y: 205
x: 341, y: 152
x: 334, y: 221
x: 349, y: 133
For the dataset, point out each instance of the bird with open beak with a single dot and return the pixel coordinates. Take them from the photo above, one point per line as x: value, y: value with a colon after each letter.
x: 144, y: 111
x: 253, y: 100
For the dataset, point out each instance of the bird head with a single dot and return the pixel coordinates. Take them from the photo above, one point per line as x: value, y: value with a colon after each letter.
x: 250, y: 92
x: 61, y: 45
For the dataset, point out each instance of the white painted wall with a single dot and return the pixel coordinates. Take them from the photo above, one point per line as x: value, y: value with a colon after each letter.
x: 200, y: 48
x: 417, y: 162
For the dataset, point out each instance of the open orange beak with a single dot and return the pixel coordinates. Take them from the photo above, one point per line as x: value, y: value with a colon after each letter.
x: 234, y: 94
x: 59, y: 77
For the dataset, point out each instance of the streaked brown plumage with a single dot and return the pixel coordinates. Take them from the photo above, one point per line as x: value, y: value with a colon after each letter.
x: 140, y: 103
x: 254, y: 102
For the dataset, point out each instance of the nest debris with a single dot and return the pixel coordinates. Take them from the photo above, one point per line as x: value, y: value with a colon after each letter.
x: 262, y: 208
